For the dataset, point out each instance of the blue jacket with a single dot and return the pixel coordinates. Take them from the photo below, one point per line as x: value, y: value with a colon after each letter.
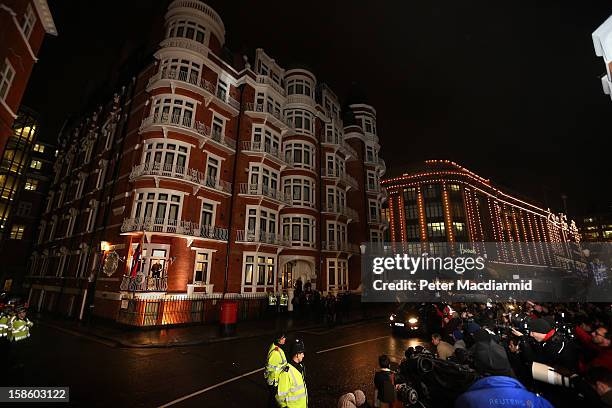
x: 499, y: 391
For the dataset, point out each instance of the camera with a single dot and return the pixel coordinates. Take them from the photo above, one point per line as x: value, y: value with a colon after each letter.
x: 407, y: 395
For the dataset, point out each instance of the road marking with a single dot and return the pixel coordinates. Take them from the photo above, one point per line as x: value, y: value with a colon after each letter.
x: 176, y: 401
x: 352, y: 344
x: 77, y: 334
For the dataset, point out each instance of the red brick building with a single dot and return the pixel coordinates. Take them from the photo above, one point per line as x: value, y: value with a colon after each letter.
x: 226, y: 178
x: 23, y: 25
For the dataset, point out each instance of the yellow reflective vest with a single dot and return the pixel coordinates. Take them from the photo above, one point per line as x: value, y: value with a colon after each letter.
x: 4, y: 320
x: 19, y: 329
x: 274, y: 365
x: 292, y: 392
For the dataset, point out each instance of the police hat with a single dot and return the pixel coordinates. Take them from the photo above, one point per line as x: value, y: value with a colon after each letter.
x: 297, y: 346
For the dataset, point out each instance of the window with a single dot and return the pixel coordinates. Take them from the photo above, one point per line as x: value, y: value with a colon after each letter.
x: 88, y: 147
x: 36, y: 164
x: 368, y: 125
x: 336, y: 199
x: 60, y: 199
x: 208, y: 214
x: 161, y: 208
x: 80, y: 185
x: 166, y: 157
x: 337, y: 274
x: 218, y: 128
x: 434, y: 210
x: 376, y: 236
x: 29, y: 18
x: 300, y: 155
x: 213, y: 168
x: 336, y: 233
x: 91, y: 219
x: 300, y: 120
x: 333, y: 134
x: 41, y: 232
x: 411, y: 211
x: 458, y: 211
x: 459, y: 230
x: 412, y: 231
x: 431, y: 191
x: 266, y: 103
x: 17, y: 231
x: 410, y: 194
x: 374, y: 210
x: 262, y: 179
x: 109, y: 133
x: 436, y: 229
x: 300, y: 230
x: 101, y: 174
x: 301, y: 191
x: 31, y: 184
x: 265, y: 141
x: 335, y: 165
x: 71, y: 221
x: 299, y: 87
x: 222, y: 89
x: 7, y: 73
x: 181, y: 69
x: 261, y: 221
x: 370, y: 154
x: 372, y: 181
x: 50, y: 201
x: 53, y: 227
x: 259, y: 270
x: 187, y: 29
x: 202, y: 263
x: 24, y: 209
x: 39, y: 148
x: 174, y: 110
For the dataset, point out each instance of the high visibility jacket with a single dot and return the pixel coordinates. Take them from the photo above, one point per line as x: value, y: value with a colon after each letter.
x: 284, y: 300
x: 19, y: 329
x: 271, y: 300
x: 274, y: 365
x: 4, y: 320
x: 292, y: 392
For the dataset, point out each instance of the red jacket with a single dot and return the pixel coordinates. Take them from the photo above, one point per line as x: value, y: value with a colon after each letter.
x: 603, y: 356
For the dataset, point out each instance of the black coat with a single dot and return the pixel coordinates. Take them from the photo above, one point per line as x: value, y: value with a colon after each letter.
x: 383, y: 381
x: 558, y: 351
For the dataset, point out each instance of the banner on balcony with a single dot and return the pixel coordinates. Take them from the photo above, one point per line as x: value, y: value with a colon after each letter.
x: 487, y: 271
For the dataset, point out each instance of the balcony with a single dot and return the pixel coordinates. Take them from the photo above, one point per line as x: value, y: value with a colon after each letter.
x: 339, y: 246
x: 259, y: 110
x: 224, y: 97
x: 185, y: 77
x: 265, y: 150
x: 380, y: 221
x: 261, y: 237
x: 342, y: 177
x: 344, y: 211
x: 178, y: 227
x: 264, y: 79
x: 141, y: 283
x: 377, y: 162
x: 341, y: 145
x: 264, y: 191
x: 180, y: 173
x: 301, y: 99
x: 179, y: 42
x: 184, y: 123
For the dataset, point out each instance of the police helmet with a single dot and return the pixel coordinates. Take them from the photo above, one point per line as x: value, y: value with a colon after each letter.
x: 297, y: 346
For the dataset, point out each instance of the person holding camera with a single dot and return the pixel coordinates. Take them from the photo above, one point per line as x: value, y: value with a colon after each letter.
x: 598, y: 343
x: 546, y: 346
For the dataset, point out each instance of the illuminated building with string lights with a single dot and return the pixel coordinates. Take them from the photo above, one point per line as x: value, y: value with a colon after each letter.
x: 440, y: 202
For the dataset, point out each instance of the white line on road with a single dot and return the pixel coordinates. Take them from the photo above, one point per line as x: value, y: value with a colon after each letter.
x: 176, y: 401
x: 212, y: 387
x: 352, y: 344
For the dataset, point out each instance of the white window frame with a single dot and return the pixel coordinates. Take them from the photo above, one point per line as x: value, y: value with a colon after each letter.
x: 289, y: 187
x: 217, y: 122
x: 258, y: 217
x: 184, y: 25
x: 101, y: 174
x: 83, y: 258
x: 254, y: 279
x: 257, y: 173
x: 338, y: 197
x: 62, y: 193
x: 41, y: 232
x: 182, y: 69
x: 155, y: 201
x: 214, y: 210
x: 339, y: 268
x: 305, y: 149
x: 294, y: 83
x: 161, y: 148
x: 170, y: 116
x: 288, y: 224
x: 91, y: 218
x: 373, y: 203
x: 7, y: 74
x: 269, y: 141
x: 29, y: 20
x: 293, y: 114
x: 53, y: 227
x: 209, y: 253
x: 339, y: 232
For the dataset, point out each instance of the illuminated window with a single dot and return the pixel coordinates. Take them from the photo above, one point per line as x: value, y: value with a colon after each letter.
x: 7, y: 73
x: 39, y: 148
x: 260, y: 271
x: 410, y: 194
x: 36, y: 164
x: 607, y: 234
x: 337, y: 274
x: 17, y: 231
x: 202, y: 262
x: 29, y: 18
x: 436, y: 229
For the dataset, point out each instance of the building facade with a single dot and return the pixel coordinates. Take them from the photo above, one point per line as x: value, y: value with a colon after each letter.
x: 23, y: 25
x: 203, y: 178
x: 596, y: 227
x: 24, y: 181
x: 440, y: 202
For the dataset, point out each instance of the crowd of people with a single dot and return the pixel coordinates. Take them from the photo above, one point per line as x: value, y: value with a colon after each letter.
x: 310, y: 304
x: 533, y: 355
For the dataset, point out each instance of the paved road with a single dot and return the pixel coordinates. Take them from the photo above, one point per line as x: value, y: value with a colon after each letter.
x: 225, y: 374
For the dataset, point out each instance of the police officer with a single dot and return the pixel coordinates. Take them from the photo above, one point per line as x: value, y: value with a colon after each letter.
x: 5, y: 316
x: 292, y: 391
x: 272, y: 301
x: 284, y: 301
x: 19, y: 325
x: 275, y: 363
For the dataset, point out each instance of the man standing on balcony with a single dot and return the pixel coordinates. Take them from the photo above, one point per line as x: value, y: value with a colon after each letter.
x: 275, y: 362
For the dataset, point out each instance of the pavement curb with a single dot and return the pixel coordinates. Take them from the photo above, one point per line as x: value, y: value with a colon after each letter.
x: 211, y: 340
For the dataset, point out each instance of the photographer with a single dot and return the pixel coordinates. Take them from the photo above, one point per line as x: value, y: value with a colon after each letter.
x: 546, y: 346
x: 489, y: 357
x: 598, y: 343
x: 600, y: 378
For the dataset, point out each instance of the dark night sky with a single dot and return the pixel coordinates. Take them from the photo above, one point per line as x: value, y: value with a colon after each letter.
x: 510, y: 90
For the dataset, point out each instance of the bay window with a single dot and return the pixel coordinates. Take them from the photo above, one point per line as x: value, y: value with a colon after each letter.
x: 336, y: 233
x: 161, y: 208
x: 300, y: 119
x: 181, y: 69
x: 259, y: 270
x: 336, y: 198
x: 165, y: 156
x: 262, y: 179
x: 265, y: 141
x: 174, y: 110
x: 299, y: 87
x: 187, y: 29
x: 300, y: 230
x: 300, y: 155
x: 301, y: 190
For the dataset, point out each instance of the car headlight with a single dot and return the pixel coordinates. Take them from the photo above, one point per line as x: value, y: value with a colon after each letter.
x: 413, y: 320
x: 391, y: 317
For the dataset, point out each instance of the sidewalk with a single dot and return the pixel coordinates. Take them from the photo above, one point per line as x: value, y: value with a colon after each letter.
x: 129, y: 337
